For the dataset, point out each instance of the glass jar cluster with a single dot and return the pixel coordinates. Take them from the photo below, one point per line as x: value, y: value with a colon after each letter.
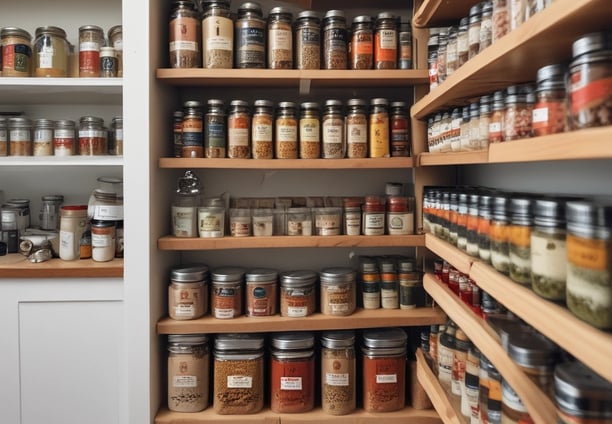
x: 357, y: 129
x: 208, y: 35
x: 50, y: 53
x: 552, y: 244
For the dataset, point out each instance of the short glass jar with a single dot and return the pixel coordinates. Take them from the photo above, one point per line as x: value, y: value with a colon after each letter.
x: 517, y: 117
x: 297, y: 293
x: 42, y: 140
x: 20, y: 136
x: 332, y: 126
x: 335, y: 38
x: 226, y: 293
x: 308, y: 40
x: 16, y: 46
x: 299, y: 222
x: 51, y: 51
x: 188, y: 292
x: 192, y: 135
x: 250, y: 35
x: 328, y: 221
x: 102, y: 240
x: 338, y: 372
x: 263, y: 222
x: 49, y: 217
x: 373, y: 216
x: 188, y: 372
x: 286, y: 127
x: 261, y: 292
x: 310, y: 131
x: 240, y: 222
x: 501, y: 20
x: 549, y: 114
x: 211, y: 220
x: 338, y: 291
x: 92, y: 136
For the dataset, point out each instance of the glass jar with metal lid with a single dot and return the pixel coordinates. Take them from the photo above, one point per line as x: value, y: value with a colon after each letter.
x: 115, y: 40
x: 338, y: 291
x: 297, y: 293
x: 549, y: 113
x: 536, y: 356
x: 404, y: 44
x: 410, y: 283
x: 292, y: 372
x: 185, y: 35
x: 92, y: 136
x: 22, y: 206
x: 384, y: 369
x: 109, y: 64
x: 332, y: 124
x: 103, y: 240
x: 20, y: 136
x: 4, y: 140
x: 442, y: 44
x: 471, y: 246
x: 379, y: 128
x: 188, y: 292
x: 262, y: 130
x: 42, y: 143
x: 361, y: 47
x: 188, y: 372
x: 73, y: 223
x: 192, y: 130
x: 334, y: 40
x: 16, y: 52
x: 280, y: 39
x: 521, y: 220
x: 91, y: 38
x: 308, y: 40
x: 370, y: 283
x: 286, y: 131
x: 338, y: 372
x: 385, y: 41
x: 250, y: 34
x: 496, y: 120
x: 400, y: 134
x: 588, y: 285
x: 215, y: 136
x: 583, y: 397
x: 310, y: 131
x: 486, y: 25
x: 239, y: 130
x: 238, y: 374
x: 49, y: 217
x: 356, y: 129
x: 484, y: 113
x: 51, y: 51
x: 115, y: 141
x: 485, y: 201
x: 217, y: 34
x: 226, y: 294
x: 451, y: 51
x: 474, y: 30
x: 499, y: 234
x: 389, y: 284
x: 261, y: 292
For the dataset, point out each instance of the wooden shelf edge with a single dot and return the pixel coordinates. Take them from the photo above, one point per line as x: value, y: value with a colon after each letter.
x: 275, y: 242
x: 340, y: 164
x: 15, y: 265
x: 453, y: 158
x: 449, y: 411
x: 433, y: 13
x: 565, y: 329
x: 460, y: 260
x: 540, y: 406
x: 362, y: 318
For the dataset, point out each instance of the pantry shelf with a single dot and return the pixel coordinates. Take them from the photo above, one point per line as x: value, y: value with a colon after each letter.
x: 221, y: 243
x: 449, y: 408
x: 538, y: 404
x: 15, y: 265
x: 453, y: 158
x: 365, y: 163
x: 544, y: 39
x: 434, y: 13
x: 362, y: 318
x: 53, y: 161
x: 460, y: 260
x: 560, y: 325
x: 37, y: 91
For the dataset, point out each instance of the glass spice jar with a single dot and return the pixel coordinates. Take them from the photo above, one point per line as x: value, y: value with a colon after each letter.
x: 379, y: 128
x: 389, y: 285
x: 115, y: 40
x: 463, y: 44
x: 4, y: 141
x: 444, y: 136
x: 91, y: 38
x: 536, y: 356
x: 462, y: 217
x: 184, y: 35
x: 385, y: 41
x: 50, y: 52
x: 484, y: 121
x: 42, y: 142
x: 338, y: 292
x: 472, y: 245
x: 474, y: 143
x: 286, y: 127
x: 116, y: 133
x: 328, y: 221
x: 211, y: 218
x: 64, y: 138
x: 500, y: 20
x: 297, y: 293
x: 370, y: 283
x: 373, y: 218
x: 49, y: 217
x: 517, y: 117
x: 486, y: 25
x: 338, y: 372
x: 404, y: 44
x: 516, y: 13
x: 280, y: 39
x: 496, y: 120
x: 399, y: 217
x: 484, y: 225
x: 361, y: 47
x: 335, y: 53
x: 442, y: 43
x: 310, y: 131
x: 192, y: 130
x: 332, y: 124
x: 261, y: 292
x: 238, y: 130
x: 16, y: 46
x: 20, y: 136
x: 226, y: 294
x: 217, y: 35
x: 250, y: 35
x: 474, y: 30
x: 432, y: 59
x: 452, y: 60
x: 240, y: 222
x: 453, y: 218
x: 215, y: 136
x: 109, y: 64
x: 188, y: 292
x: 356, y: 129
x: 351, y: 216
x: 400, y: 135
x: 549, y: 113
x: 464, y: 129
x: 188, y: 372
x: 499, y: 234
x: 261, y: 130
x: 92, y: 136
x: 455, y: 131
x: 308, y: 40
x: 299, y: 222
x: 519, y: 237
x: 102, y: 240
x: 410, y: 283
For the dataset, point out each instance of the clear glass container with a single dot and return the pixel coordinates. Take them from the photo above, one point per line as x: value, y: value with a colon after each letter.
x: 310, y: 131
x: 185, y: 35
x: 332, y: 126
x: 338, y: 372
x: 297, y: 293
x: 262, y: 130
x: 549, y: 115
x: 400, y: 130
x: 188, y: 372
x: 442, y: 44
x: 335, y: 38
x: 215, y: 127
x: 463, y: 45
x: 500, y: 21
x: 361, y: 47
x: 20, y: 136
x: 192, y: 130
x: 484, y: 122
x: 299, y: 222
x: 486, y: 25
x: 474, y: 30
x: 115, y: 141
x: 115, y: 40
x: 404, y: 44
x: 308, y: 40
x: 452, y: 58
x: 217, y: 35
x: 16, y: 52
x: 385, y: 41
x: 338, y: 291
x: 280, y: 39
x: 356, y: 129
x: 496, y: 120
x: 92, y: 136
x: 42, y: 142
x: 500, y: 234
x: 286, y: 127
x: 188, y: 292
x: 184, y: 209
x: 49, y: 217
x: 240, y: 222
x: 239, y: 130
x: 91, y: 39
x: 51, y: 52
x: 250, y: 35
x: 521, y: 227
x: 226, y: 297
x: 379, y: 128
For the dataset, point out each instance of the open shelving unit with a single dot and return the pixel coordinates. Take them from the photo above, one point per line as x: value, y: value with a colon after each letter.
x: 332, y: 164
x: 433, y: 13
x: 15, y: 265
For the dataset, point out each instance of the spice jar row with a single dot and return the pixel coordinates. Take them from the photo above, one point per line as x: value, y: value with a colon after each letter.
x: 562, y: 99
x: 485, y: 395
x: 449, y: 48
x: 22, y: 136
x: 234, y: 375
x: 213, y: 36
x: 360, y: 129
x: 50, y: 54
x: 555, y: 245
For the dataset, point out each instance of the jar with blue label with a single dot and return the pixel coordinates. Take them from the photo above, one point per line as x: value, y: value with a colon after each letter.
x: 250, y: 33
x: 215, y: 132
x: 261, y: 292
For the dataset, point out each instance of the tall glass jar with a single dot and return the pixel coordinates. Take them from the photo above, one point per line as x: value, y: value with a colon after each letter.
x: 385, y: 41
x: 521, y: 220
x: 262, y: 130
x: 379, y: 128
x: 472, y: 225
x: 92, y: 136
x: 500, y: 234
x: 335, y: 54
x: 452, y: 60
x: 310, y: 131
x: 16, y: 46
x: 188, y: 372
x: 474, y: 126
x: 64, y: 138
x: 432, y: 60
x: 49, y: 217
x: 250, y: 34
x: 442, y: 44
x: 486, y: 25
x: 4, y: 140
x: 192, y: 130
x: 338, y: 372
x: 115, y: 145
x: 42, y: 142
x: 484, y: 227
x: 517, y: 117
x: 239, y: 130
x: 185, y: 205
x: 115, y: 40
x: 215, y: 136
x: 404, y: 44
x: 280, y: 39
x: 400, y: 135
x: 91, y: 38
x: 361, y: 47
x: 286, y: 137
x: 73, y: 223
x: 500, y: 21
x: 370, y: 283
x: 474, y: 30
x: 332, y: 125
x: 20, y: 136
x: 226, y: 298
x: 50, y: 52
x: 308, y: 40
x: 484, y: 121
x: 185, y: 35
x: 356, y: 129
x: 549, y: 113
x: 217, y: 35
x: 536, y: 356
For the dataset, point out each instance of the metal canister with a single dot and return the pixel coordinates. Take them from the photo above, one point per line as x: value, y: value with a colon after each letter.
x: 338, y: 291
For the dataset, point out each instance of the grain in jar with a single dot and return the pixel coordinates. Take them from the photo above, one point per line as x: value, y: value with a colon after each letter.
x: 384, y: 369
x: 536, y: 356
x: 549, y: 113
x: 20, y: 136
x: 261, y: 292
x: 328, y: 221
x: 115, y: 40
x: 400, y: 134
x: 308, y: 40
x: 215, y: 135
x: 338, y: 372
x: 286, y: 131
x: 238, y: 130
x: 516, y: 13
x: 379, y: 128
x: 188, y: 292
x: 332, y: 124
x: 335, y: 37
x: 217, y: 35
x: 519, y: 237
x: 500, y: 20
x: 92, y: 136
x: 338, y: 292
x: 385, y: 41
x: 50, y: 52
x: 226, y: 293
x: 91, y: 38
x: 250, y: 34
x: 262, y: 130
x: 310, y: 131
x: 517, y: 114
x: 292, y: 372
x: 188, y: 372
x: 356, y: 129
x: 486, y: 24
x: 238, y: 374
x: 361, y: 47
x: 474, y: 30
x: 42, y: 142
x: 280, y: 39
x: 185, y: 35
x: 192, y: 130
x: 297, y: 293
x: 16, y: 46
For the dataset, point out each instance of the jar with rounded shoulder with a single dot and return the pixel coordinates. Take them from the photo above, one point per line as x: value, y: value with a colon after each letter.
x: 474, y: 30
x: 261, y: 292
x: 361, y: 47
x: 496, y: 120
x: 356, y: 129
x: 185, y: 35
x: 226, y: 294
x: 240, y: 222
x: 91, y: 38
x: 385, y: 41
x: 188, y: 292
x: 310, y: 131
x: 50, y: 212
x: 102, y: 240
x: 549, y: 113
x: 297, y: 293
x: 188, y: 372
x: 308, y: 40
x: 332, y: 124
x: 521, y: 227
x: 280, y: 39
x: 486, y: 25
x: 335, y: 37
x: 50, y: 52
x: 215, y: 135
x: 250, y: 34
x: 92, y: 136
x: 238, y: 130
x: 517, y: 117
x: 4, y: 137
x: 211, y: 220
x: 217, y: 35
x: 286, y: 131
x: 338, y: 372
x: 379, y: 128
x: 115, y: 40
x: 262, y: 130
x: 192, y: 130
x: 42, y: 141
x: 16, y: 46
x: 463, y: 42
x: 20, y: 137
x: 338, y: 292
x: 73, y: 222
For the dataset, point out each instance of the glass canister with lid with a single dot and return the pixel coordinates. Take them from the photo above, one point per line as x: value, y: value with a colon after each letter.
x: 217, y: 35
x: 42, y: 141
x: 250, y: 34
x: 185, y: 35
x: 188, y: 372
x: 332, y: 125
x: 361, y: 47
x: 338, y: 291
x: 310, y: 131
x: 280, y: 39
x: 335, y: 53
x: 338, y: 372
x: 188, y: 292
x: 261, y: 130
x: 192, y: 136
x: 51, y: 51
x: 239, y: 130
x: 536, y: 356
x: 92, y: 136
x: 261, y: 292
x: 499, y: 234
x: 16, y: 52
x: 226, y: 294
x: 379, y: 128
x: 20, y: 136
x: 521, y: 226
x: 385, y: 41
x: 549, y: 113
x: 308, y: 40
x: 49, y: 217
x: 356, y: 129
x: 238, y: 376
x: 286, y: 131
x: 115, y: 40
x: 215, y: 135
x: 91, y: 38
x: 297, y: 293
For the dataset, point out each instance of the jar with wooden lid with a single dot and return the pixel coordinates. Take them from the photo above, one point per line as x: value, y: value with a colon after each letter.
x: 292, y: 372
x: 280, y: 39
x: 521, y: 227
x: 361, y: 47
x: 238, y: 376
x: 338, y: 372
x: 262, y: 130
x: 335, y: 53
x: 261, y: 292
x: 308, y: 40
x: 238, y: 130
x: 286, y: 131
x: 91, y: 38
x: 332, y: 123
x: 20, y: 136
x: 188, y: 372
x: 297, y: 293
x: 188, y: 292
x: 250, y: 34
x: 185, y: 35
x: 338, y: 291
x: 217, y: 35
x: 310, y: 131
x: 226, y: 294
x: 356, y: 129
x: 16, y: 46
x: 51, y: 52
x: 385, y: 41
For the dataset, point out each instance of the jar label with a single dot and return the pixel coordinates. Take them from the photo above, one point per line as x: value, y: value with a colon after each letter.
x: 239, y: 382
x: 16, y: 57
x: 337, y: 379
x: 45, y: 57
x: 291, y: 383
x: 280, y: 39
x: 286, y: 133
x: 585, y: 94
x: 20, y: 135
x: 211, y: 224
x: 251, y: 39
x: 400, y: 223
x: 386, y: 378
x: 101, y: 240
x: 217, y: 34
x: 183, y: 221
x: 387, y: 40
x: 108, y: 212
x: 548, y: 257
x: 357, y: 133
x: 68, y: 247
x: 184, y: 310
x: 184, y: 381
x: 262, y: 132
x: 310, y: 37
x: 215, y: 134
x: 299, y: 228
x: 332, y: 131
x: 238, y: 137
x: 3, y: 135
x: 59, y: 133
x: 43, y: 135
x: 183, y: 34
x: 262, y: 225
x: 589, y: 254
x: 540, y: 115
x: 309, y: 130
x: 297, y: 311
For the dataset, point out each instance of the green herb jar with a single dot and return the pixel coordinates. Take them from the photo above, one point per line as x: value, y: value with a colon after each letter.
x: 520, y: 240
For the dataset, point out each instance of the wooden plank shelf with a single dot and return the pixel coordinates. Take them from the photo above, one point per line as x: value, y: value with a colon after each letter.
x: 540, y: 406
x: 55, y: 161
x: 453, y: 158
x: 588, y: 344
x: 361, y: 318
x: 435, y: 13
x: 457, y: 258
x: 342, y: 164
x: 15, y: 265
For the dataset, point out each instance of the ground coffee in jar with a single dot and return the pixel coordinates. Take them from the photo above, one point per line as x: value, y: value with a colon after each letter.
x: 338, y: 372
x: 297, y: 293
x: 188, y: 372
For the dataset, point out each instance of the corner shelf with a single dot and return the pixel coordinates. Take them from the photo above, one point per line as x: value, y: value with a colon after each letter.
x: 340, y: 164
x: 435, y: 13
x: 15, y: 265
x: 460, y: 260
x: 540, y: 406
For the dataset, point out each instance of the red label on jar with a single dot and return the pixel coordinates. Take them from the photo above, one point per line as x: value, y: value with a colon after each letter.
x: 585, y: 95
x: 89, y: 62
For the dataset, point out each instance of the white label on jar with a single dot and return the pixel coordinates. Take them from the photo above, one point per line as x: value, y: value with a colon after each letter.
x: 336, y: 379
x: 299, y: 228
x: 371, y: 300
x: 184, y: 310
x: 280, y: 39
x: 328, y: 224
x: 291, y: 383
x: 548, y: 257
x: 540, y: 114
x: 92, y: 133
x: 240, y: 226
x: 239, y: 382
x: 119, y: 134
x: 339, y: 307
x: 287, y: 133
x: 184, y: 381
x: 373, y: 223
x: 494, y: 127
x: 332, y: 133
x: 89, y: 46
x: 218, y: 43
x: 352, y: 224
x: 309, y: 130
x: 445, y: 365
x: 262, y: 132
x: 297, y: 311
x: 184, y: 221
x: 43, y: 135
x: 472, y: 400
x: 400, y: 223
x: 3, y: 135
x: 59, y: 133
x: 388, y: 39
x: 108, y: 212
x: 238, y: 136
x: 211, y: 224
x: 224, y: 313
x: 262, y: 225
x: 67, y: 245
x: 45, y: 57
x: 20, y: 135
x: 357, y: 133
x: 101, y: 240
x: 183, y: 45
x: 386, y: 378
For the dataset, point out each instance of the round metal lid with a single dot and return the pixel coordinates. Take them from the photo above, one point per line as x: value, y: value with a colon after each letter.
x: 338, y: 339
x: 580, y: 391
x: 531, y: 350
x: 337, y: 275
x: 189, y: 273
x: 293, y: 341
x: 239, y: 341
x: 261, y: 274
x: 228, y: 273
x: 384, y: 338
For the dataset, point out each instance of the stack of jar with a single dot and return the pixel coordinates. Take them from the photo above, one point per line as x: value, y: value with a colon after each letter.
x: 548, y: 243
x: 22, y: 136
x: 238, y: 378
x: 335, y: 132
x: 466, y: 289
x: 216, y: 38
x: 50, y: 54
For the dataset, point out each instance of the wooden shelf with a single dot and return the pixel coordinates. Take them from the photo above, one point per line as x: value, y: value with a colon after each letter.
x: 457, y: 258
x: 341, y: 164
x: 586, y: 343
x: 274, y: 242
x: 452, y: 158
x: 544, y: 39
x: 15, y: 265
x: 36, y: 91
x: 540, y: 406
x: 208, y: 416
x: 449, y: 408
x: 435, y: 13
x: 362, y: 318
x: 52, y: 161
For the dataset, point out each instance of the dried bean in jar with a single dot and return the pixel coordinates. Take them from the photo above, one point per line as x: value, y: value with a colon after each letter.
x: 308, y: 40
x: 334, y: 40
x: 361, y: 47
x: 280, y: 39
x: 215, y: 137
x: 238, y: 130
